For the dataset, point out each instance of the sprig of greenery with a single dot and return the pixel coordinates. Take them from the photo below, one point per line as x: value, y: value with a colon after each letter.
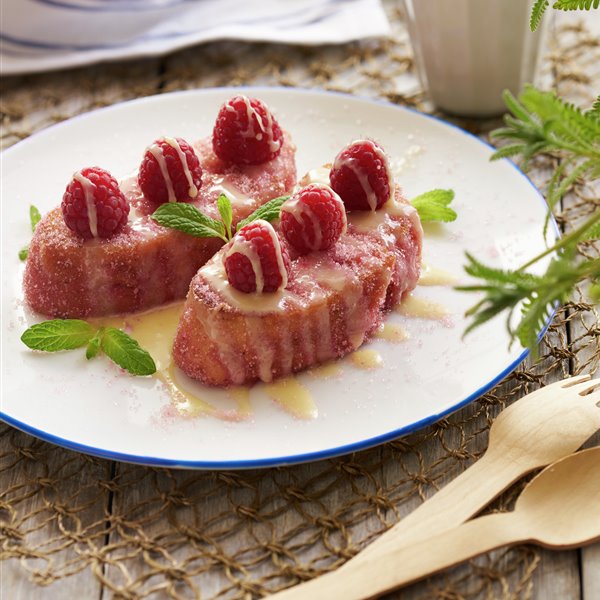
x: 267, y: 212
x: 34, y: 218
x: 541, y: 122
x: 505, y: 289
x: 187, y: 218
x: 540, y: 7
x: 433, y: 206
x: 67, y: 334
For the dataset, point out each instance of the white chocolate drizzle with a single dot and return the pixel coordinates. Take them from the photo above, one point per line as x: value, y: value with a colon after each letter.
x: 157, y: 151
x: 362, y: 177
x: 89, y: 187
x: 304, y: 215
x: 242, y: 246
x: 265, y: 129
x: 222, y: 186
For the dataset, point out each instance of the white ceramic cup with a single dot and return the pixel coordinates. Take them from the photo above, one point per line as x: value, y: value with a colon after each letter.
x: 469, y: 51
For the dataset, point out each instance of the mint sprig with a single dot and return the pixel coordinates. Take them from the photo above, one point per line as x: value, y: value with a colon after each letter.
x: 58, y: 334
x: 226, y: 212
x: 267, y: 212
x: 126, y: 352
x: 433, y: 206
x: 34, y: 218
x: 68, y: 334
x: 187, y: 218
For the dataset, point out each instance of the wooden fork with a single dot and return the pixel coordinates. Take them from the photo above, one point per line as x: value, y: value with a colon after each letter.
x: 539, y: 429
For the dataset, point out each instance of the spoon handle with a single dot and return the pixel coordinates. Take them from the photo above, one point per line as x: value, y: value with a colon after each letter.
x: 378, y: 574
x: 454, y: 504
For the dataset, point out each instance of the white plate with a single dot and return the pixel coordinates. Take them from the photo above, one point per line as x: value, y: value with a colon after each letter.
x: 92, y: 407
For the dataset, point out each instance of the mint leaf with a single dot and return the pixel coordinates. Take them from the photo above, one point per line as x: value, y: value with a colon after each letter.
x: 226, y: 212
x: 34, y: 219
x: 58, y: 334
x: 187, y: 218
x: 269, y: 212
x: 94, y: 344
x: 126, y: 352
x: 34, y: 216
x: 433, y: 205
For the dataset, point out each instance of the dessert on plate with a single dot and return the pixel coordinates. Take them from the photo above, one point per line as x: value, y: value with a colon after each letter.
x: 313, y: 287
x: 101, y: 253
x: 306, y: 279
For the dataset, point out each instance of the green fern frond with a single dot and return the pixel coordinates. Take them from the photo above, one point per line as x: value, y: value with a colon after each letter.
x: 576, y: 4
x: 477, y: 269
x: 563, y: 121
x: 593, y: 233
x: 539, y: 8
x: 508, y: 151
x: 594, y: 112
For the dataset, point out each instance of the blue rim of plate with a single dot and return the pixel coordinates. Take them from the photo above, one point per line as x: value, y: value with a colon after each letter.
x: 308, y: 456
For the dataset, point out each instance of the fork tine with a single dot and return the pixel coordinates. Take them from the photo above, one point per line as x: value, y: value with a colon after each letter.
x: 592, y: 389
x: 571, y: 381
x: 585, y: 387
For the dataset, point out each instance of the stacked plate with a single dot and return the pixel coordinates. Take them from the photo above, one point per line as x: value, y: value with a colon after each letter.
x: 39, y: 35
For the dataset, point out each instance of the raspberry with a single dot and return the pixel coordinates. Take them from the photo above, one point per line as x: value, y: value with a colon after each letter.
x: 256, y: 260
x: 314, y: 218
x: 246, y: 133
x: 361, y: 176
x: 93, y: 205
x: 170, y: 171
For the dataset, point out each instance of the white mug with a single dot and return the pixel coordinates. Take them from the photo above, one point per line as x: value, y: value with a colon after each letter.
x: 468, y: 51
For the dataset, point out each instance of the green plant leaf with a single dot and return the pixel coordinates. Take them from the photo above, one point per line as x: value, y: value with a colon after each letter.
x: 539, y: 8
x: 268, y: 212
x: 226, y: 212
x: 594, y: 112
x: 187, y: 218
x: 126, y: 352
x: 433, y: 205
x: 593, y: 233
x: 58, y: 334
x: 34, y: 216
x: 94, y: 344
x: 576, y: 4
x: 34, y: 219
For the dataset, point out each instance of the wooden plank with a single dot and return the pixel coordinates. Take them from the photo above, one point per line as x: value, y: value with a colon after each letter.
x: 56, y: 520
x: 587, y: 356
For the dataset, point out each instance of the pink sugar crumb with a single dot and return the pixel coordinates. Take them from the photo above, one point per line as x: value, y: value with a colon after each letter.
x: 169, y: 413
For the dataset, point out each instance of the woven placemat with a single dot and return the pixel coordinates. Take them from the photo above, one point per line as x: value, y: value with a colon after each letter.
x: 141, y: 532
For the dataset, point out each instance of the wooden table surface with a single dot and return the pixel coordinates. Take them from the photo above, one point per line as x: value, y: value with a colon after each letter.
x: 33, y: 102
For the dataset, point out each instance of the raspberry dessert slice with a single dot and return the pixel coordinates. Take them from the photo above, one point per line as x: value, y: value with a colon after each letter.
x: 361, y: 176
x: 142, y: 264
x: 334, y: 300
x: 246, y: 133
x: 314, y: 218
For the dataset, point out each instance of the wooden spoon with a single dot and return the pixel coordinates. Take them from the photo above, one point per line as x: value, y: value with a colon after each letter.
x: 537, y: 430
x: 560, y: 508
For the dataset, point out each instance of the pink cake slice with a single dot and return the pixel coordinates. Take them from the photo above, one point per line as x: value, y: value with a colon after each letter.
x: 334, y: 301
x: 145, y: 265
